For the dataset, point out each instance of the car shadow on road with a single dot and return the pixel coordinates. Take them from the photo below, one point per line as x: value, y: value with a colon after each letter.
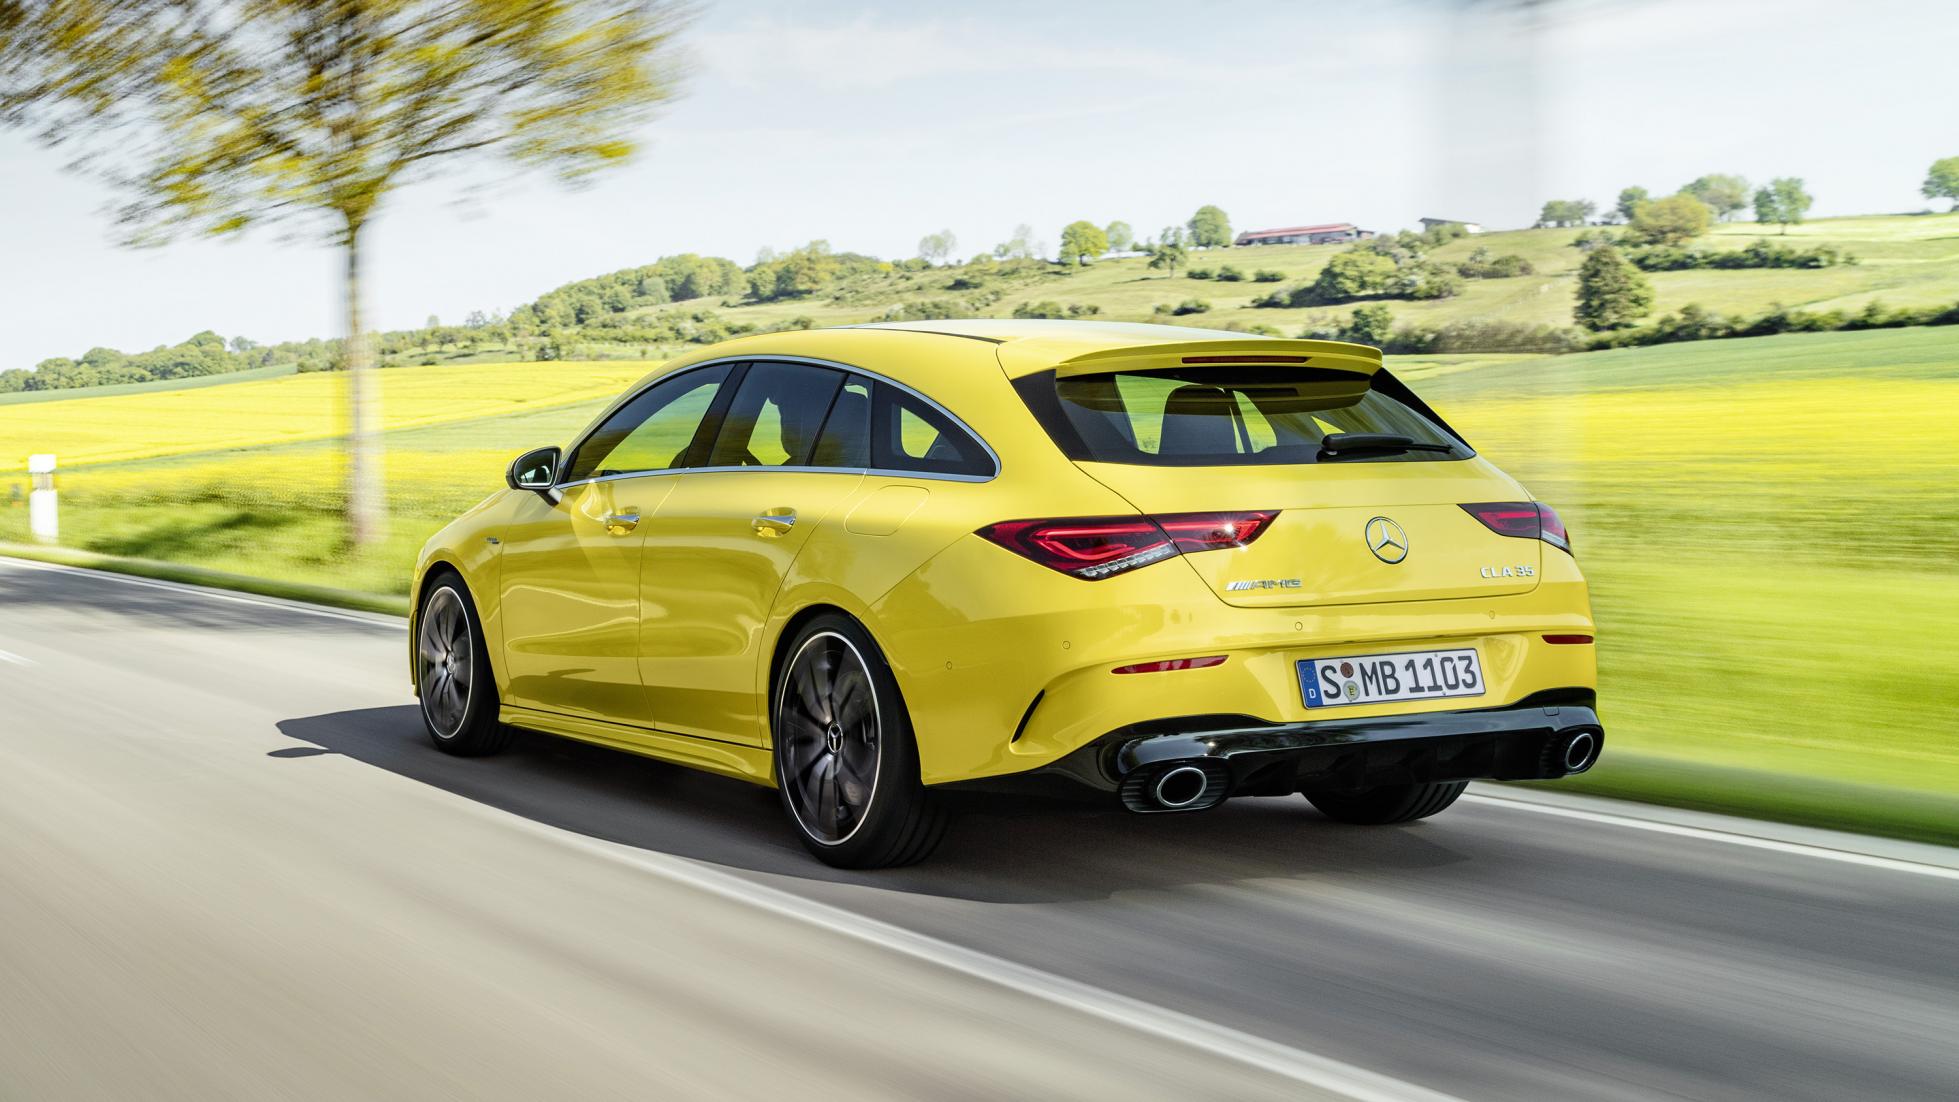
x: 1000, y: 850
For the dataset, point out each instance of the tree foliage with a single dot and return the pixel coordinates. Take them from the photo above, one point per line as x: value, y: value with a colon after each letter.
x: 935, y: 248
x: 213, y: 117
x: 1020, y: 246
x: 1942, y: 181
x: 1082, y: 241
x: 1209, y: 228
x: 1120, y: 236
x: 1724, y: 195
x: 1566, y: 212
x: 1611, y: 292
x: 1168, y: 254
x: 1668, y: 221
x: 1783, y: 202
x: 1629, y: 200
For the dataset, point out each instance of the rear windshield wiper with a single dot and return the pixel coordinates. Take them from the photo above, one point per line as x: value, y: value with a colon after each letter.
x: 1340, y: 445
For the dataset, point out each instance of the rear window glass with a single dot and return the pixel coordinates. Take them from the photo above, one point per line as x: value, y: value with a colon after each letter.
x: 1232, y: 416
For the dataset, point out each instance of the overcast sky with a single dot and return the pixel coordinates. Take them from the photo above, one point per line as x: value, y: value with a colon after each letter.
x: 872, y: 123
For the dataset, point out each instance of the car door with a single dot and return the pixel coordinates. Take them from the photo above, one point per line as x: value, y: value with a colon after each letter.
x: 572, y: 557
x: 718, y: 552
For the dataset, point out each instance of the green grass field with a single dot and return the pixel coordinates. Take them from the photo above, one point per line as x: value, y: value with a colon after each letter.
x: 1903, y: 260
x: 1771, y: 527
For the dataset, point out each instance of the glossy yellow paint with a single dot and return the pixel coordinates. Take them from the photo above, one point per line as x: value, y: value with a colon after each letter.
x: 661, y: 639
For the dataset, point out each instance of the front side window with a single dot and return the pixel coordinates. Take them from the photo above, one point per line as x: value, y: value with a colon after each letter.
x: 1233, y: 416
x: 774, y: 417
x: 654, y: 431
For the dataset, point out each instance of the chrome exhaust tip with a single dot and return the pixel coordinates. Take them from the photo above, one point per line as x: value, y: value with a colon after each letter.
x: 1571, y: 752
x: 1176, y: 786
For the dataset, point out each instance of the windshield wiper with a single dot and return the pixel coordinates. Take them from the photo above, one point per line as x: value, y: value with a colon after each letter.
x: 1340, y: 445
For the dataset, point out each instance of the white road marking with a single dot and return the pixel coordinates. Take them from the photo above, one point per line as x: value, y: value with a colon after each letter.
x: 376, y: 619
x: 1295, y: 1064
x: 1890, y: 864
x: 15, y: 659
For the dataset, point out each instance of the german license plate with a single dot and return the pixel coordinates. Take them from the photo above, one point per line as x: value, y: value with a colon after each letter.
x: 1376, y: 678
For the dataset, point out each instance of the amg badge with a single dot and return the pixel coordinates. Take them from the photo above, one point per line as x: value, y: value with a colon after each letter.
x: 1262, y: 583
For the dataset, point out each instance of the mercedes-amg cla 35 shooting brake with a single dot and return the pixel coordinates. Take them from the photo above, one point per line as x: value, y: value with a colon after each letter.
x: 1165, y: 566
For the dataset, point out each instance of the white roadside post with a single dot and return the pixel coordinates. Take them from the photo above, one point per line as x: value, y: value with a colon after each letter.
x: 42, y: 519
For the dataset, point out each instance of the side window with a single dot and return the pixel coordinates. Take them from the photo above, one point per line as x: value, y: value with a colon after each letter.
x: 908, y: 434
x: 775, y: 415
x: 846, y: 437
x: 653, y: 431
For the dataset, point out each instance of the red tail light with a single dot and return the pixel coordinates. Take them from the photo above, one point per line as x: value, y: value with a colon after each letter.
x: 1169, y: 664
x: 1094, y: 548
x: 1527, y: 520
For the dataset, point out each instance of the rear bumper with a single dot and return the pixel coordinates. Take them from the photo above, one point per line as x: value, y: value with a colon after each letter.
x: 1249, y: 757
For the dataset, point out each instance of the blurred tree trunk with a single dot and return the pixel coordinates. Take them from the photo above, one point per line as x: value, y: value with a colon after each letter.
x: 367, y: 511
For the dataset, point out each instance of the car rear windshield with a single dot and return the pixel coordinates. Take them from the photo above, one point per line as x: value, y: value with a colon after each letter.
x: 1222, y: 415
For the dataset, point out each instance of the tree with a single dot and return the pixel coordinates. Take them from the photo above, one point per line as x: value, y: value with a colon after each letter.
x: 1209, y: 228
x: 1082, y: 240
x: 1168, y: 254
x: 1629, y: 199
x: 213, y: 117
x: 1783, y: 201
x: 1942, y: 181
x: 1566, y: 212
x: 936, y: 247
x: 1724, y: 195
x: 1352, y: 275
x: 1370, y: 325
x: 1612, y: 293
x: 1668, y: 221
x: 1120, y: 236
x: 1018, y: 247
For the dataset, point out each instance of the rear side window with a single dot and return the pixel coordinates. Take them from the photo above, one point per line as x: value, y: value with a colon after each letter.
x: 773, y: 420
x: 1230, y: 416
x: 910, y: 434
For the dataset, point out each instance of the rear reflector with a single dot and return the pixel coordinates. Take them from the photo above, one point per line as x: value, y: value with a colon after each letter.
x: 1173, y: 664
x: 1568, y: 640
x: 1094, y: 548
x: 1527, y: 520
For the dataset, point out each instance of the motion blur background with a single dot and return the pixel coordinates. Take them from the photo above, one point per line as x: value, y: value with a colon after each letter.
x: 1687, y: 269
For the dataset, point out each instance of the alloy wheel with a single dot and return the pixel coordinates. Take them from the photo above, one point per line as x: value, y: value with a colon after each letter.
x: 443, y: 643
x: 827, y: 720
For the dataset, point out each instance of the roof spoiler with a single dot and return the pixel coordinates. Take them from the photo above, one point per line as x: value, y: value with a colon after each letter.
x: 1326, y: 355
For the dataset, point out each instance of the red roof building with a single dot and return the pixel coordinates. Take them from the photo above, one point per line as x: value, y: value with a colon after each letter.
x: 1304, y: 235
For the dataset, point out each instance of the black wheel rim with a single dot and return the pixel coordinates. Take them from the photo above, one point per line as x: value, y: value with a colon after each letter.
x: 442, y: 643
x: 827, y: 727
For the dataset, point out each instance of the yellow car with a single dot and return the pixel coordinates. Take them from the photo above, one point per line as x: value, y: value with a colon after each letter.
x: 1164, y: 565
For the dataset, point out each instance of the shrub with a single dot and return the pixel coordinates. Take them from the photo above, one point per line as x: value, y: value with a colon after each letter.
x: 1592, y: 238
x: 1428, y: 281
x: 1201, y: 273
x: 1047, y: 308
x: 965, y: 282
x: 931, y: 309
x: 1758, y: 254
x: 1229, y: 274
x: 1190, y: 306
x: 1267, y: 275
x: 1481, y: 265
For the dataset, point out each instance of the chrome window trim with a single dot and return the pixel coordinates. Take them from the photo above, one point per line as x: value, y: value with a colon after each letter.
x: 753, y: 358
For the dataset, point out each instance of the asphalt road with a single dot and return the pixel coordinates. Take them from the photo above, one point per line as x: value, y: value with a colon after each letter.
x: 231, y: 867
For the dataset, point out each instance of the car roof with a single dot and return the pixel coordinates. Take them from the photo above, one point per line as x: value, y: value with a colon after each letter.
x: 1109, y: 334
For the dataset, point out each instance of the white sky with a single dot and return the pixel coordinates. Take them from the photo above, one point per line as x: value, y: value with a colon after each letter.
x: 872, y: 123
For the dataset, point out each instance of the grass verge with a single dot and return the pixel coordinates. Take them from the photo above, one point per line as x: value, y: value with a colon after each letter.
x: 215, y: 579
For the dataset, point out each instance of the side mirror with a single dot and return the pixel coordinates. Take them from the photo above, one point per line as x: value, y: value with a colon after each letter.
x: 533, y: 470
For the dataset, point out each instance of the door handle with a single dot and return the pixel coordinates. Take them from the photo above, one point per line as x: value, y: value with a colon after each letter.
x: 618, y: 524
x: 774, y: 523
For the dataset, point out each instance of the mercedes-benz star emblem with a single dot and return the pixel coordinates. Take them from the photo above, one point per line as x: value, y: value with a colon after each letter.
x: 1386, y: 539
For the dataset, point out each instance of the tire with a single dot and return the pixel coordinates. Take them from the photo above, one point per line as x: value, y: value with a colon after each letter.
x: 1393, y: 803
x: 452, y: 669
x: 846, y: 762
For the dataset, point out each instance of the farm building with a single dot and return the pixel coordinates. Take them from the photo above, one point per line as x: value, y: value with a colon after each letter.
x: 1468, y: 227
x: 1304, y: 235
